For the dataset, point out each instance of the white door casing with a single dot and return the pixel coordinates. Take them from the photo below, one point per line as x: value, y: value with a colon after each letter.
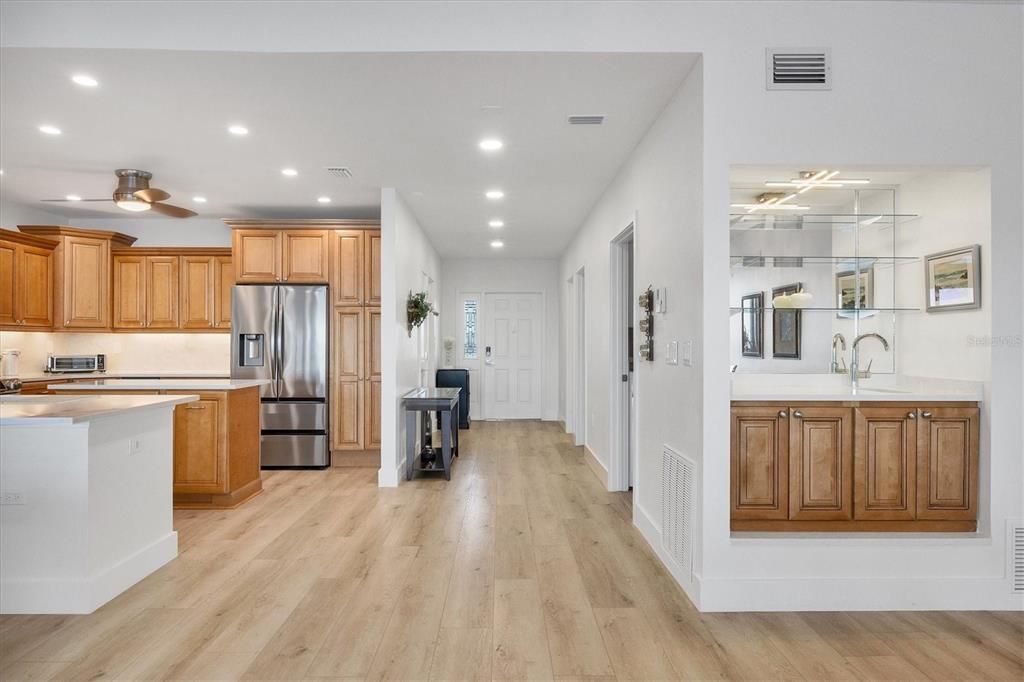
x: 513, y: 365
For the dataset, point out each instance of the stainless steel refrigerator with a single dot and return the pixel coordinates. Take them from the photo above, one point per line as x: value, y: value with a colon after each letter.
x: 280, y: 333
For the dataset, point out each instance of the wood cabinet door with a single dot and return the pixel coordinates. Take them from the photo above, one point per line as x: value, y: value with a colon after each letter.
x: 347, y: 368
x: 197, y: 292
x: 305, y: 256
x: 372, y: 343
x: 224, y: 279
x: 200, y: 462
x: 885, y: 463
x: 347, y: 267
x: 129, y: 292
x: 372, y: 267
x: 821, y: 463
x: 9, y: 313
x: 256, y: 255
x: 162, y: 291
x: 372, y: 408
x: 86, y: 290
x: 947, y: 463
x: 759, y: 471
x: 35, y: 287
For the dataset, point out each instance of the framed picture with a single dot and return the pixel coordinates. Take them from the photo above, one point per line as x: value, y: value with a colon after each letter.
x: 752, y: 325
x: 846, y: 291
x: 786, y: 326
x: 952, y: 279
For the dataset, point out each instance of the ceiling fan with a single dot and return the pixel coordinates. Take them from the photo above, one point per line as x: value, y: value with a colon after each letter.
x: 133, y: 193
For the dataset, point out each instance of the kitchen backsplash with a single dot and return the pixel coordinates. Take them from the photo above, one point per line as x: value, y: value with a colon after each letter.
x: 125, y: 352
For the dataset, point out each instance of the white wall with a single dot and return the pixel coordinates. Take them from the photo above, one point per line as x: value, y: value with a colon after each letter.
x: 661, y: 185
x: 197, y: 231
x: 504, y: 275
x: 14, y: 214
x: 407, y: 257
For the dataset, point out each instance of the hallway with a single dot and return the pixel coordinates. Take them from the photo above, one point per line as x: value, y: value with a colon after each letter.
x: 521, y: 567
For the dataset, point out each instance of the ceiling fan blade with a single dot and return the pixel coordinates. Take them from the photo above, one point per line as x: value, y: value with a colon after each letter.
x: 173, y: 211
x: 72, y: 201
x: 151, y: 194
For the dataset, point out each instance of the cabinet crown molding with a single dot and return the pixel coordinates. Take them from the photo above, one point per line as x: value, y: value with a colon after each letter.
x: 67, y: 231
x: 172, y: 251
x: 27, y: 239
x: 304, y: 224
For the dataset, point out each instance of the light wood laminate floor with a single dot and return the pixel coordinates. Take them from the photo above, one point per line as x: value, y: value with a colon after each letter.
x: 521, y: 567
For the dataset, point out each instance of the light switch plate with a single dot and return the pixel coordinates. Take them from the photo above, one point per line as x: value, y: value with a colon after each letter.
x: 660, y: 300
x: 672, y: 353
x: 688, y: 353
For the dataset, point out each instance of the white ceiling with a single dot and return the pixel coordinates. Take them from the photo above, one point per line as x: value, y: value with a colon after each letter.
x: 411, y: 121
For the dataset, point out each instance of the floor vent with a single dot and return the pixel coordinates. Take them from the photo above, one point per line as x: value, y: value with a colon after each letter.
x: 678, y: 480
x: 586, y: 120
x: 339, y: 172
x: 799, y: 69
x: 1015, y: 548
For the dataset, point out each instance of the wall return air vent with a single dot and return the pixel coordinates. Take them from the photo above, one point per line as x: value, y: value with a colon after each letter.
x: 799, y: 68
x: 593, y: 120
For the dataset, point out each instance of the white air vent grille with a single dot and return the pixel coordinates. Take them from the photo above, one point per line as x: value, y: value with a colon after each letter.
x: 586, y: 120
x: 678, y: 478
x: 799, y: 69
x: 339, y: 172
x: 1015, y: 548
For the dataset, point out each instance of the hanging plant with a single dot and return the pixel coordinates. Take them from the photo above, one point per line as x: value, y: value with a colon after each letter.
x: 418, y: 309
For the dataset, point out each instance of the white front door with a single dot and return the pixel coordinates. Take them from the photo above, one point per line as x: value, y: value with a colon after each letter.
x: 513, y: 330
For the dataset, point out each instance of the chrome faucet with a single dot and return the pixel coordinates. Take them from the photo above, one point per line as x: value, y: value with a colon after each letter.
x: 840, y: 340
x: 855, y: 371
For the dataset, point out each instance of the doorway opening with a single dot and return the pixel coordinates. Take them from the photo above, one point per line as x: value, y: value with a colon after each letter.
x: 623, y: 399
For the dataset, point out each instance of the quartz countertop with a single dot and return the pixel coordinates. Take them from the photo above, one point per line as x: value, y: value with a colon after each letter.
x: 159, y: 385
x: 879, y: 388
x: 55, y: 410
x: 58, y: 376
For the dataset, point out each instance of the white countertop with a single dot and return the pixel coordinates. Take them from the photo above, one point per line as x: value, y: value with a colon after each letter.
x: 57, y: 376
x: 879, y: 388
x: 159, y: 385
x: 54, y: 410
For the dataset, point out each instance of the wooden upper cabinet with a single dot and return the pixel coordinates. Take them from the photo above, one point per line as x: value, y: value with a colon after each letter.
x: 885, y: 456
x: 129, y: 292
x: 162, y: 292
x: 372, y: 284
x: 224, y: 280
x: 9, y: 284
x: 947, y: 463
x: 35, y: 287
x: 305, y: 256
x: 821, y: 464
x: 760, y: 463
x: 347, y: 253
x: 256, y: 255
x: 86, y: 283
x: 197, y: 292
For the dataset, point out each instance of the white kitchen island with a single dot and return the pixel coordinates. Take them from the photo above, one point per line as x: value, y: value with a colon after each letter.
x: 86, y: 498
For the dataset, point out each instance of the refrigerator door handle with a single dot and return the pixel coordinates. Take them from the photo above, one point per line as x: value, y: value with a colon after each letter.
x: 275, y: 365
x: 280, y: 342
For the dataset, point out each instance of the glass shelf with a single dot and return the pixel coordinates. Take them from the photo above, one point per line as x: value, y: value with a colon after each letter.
x: 820, y: 221
x: 842, y: 262
x: 846, y: 311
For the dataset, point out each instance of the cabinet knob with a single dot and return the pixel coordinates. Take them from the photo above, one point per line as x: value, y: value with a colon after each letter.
x: 926, y: 414
x: 911, y: 415
x: 67, y: 322
x: 782, y: 414
x: 798, y: 414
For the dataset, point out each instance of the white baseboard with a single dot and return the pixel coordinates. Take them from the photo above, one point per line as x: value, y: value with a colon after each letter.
x: 595, y: 465
x: 651, y: 532
x: 88, y: 594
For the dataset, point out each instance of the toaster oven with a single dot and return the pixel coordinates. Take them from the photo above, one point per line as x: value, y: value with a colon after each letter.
x: 70, y: 364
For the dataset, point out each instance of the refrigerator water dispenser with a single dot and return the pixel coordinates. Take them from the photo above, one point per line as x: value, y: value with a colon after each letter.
x: 252, y: 350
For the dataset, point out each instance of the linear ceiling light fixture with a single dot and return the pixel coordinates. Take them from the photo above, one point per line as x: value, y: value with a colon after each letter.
x: 822, y: 179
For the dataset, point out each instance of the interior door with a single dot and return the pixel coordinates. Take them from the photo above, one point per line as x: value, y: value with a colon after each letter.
x: 513, y: 364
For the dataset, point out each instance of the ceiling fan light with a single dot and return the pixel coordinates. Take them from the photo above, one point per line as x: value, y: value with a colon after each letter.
x: 133, y: 205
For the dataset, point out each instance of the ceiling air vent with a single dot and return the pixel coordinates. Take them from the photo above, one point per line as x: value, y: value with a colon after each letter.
x: 586, y: 120
x: 799, y: 69
x: 340, y: 172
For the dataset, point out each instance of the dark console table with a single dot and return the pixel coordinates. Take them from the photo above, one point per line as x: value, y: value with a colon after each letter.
x: 423, y: 400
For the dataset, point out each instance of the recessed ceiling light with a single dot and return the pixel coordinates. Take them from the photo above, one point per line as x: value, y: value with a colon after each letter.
x: 85, y: 80
x: 496, y: 223
x: 324, y: 200
x: 491, y: 144
x: 494, y: 194
x: 73, y: 197
x: 290, y: 172
x: 238, y: 130
x: 49, y: 130
x: 497, y: 244
x: 199, y: 200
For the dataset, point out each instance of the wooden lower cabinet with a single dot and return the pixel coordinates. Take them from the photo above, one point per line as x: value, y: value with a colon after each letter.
x: 217, y: 449
x: 849, y: 466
